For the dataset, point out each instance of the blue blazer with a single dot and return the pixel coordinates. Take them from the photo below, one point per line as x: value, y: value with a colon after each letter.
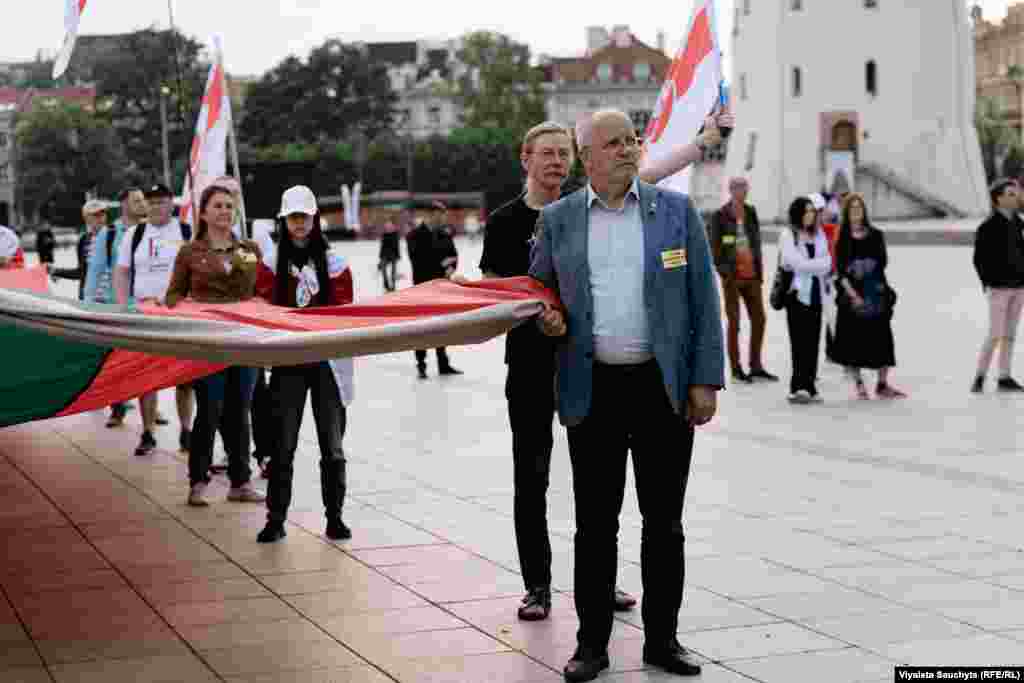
x: 683, y: 308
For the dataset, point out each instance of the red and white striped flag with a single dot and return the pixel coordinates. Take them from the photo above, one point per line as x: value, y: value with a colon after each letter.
x: 72, y: 16
x: 689, y: 93
x: 208, y: 159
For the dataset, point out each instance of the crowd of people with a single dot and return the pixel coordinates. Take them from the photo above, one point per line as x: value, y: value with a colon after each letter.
x: 638, y: 276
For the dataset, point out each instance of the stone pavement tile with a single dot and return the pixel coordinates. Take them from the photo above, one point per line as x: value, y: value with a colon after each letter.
x: 331, y: 603
x: 505, y: 667
x: 461, y: 589
x: 248, y: 660
x: 41, y: 581
x: 168, y: 669
x: 951, y: 593
x: 851, y: 665
x: 1013, y: 581
x: 985, y: 650
x: 186, y: 572
x: 280, y: 559
x: 624, y: 653
x: 26, y: 675
x: 130, y: 643
x: 886, y: 579
x: 157, y: 549
x: 836, y: 601
x: 227, y: 612
x: 410, y: 620
x: 226, y: 636
x: 343, y: 577
x: 13, y: 633
x: 724, y: 645
x: 20, y: 655
x: 204, y: 591
x: 894, y: 625
x: 703, y: 610
x: 1004, y: 615
x: 389, y: 557
x: 984, y: 564
x: 710, y: 673
x: 384, y: 532
x: 952, y: 546
x: 348, y: 674
x: 381, y: 648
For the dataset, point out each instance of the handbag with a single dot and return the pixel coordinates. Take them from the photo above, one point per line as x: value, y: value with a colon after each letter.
x: 780, y: 288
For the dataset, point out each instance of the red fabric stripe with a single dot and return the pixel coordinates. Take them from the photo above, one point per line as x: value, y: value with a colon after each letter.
x: 698, y: 46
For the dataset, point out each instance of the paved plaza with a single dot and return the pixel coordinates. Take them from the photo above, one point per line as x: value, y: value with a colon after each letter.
x: 824, y: 543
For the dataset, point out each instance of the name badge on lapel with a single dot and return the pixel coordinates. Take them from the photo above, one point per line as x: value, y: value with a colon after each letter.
x: 673, y: 258
x: 728, y: 239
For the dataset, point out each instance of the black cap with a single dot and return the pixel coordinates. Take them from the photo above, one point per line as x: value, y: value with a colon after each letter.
x: 158, y: 190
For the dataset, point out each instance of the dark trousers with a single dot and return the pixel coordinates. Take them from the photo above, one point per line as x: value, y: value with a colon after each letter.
x: 261, y: 415
x: 389, y: 272
x: 288, y: 387
x: 442, y: 357
x: 529, y: 389
x: 804, y: 324
x: 629, y: 410
x: 222, y: 402
x: 750, y: 292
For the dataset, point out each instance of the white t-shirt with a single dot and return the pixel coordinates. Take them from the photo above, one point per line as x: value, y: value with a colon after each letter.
x: 9, y: 242
x: 154, y: 259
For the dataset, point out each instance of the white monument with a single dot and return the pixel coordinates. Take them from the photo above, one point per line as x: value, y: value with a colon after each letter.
x: 875, y: 96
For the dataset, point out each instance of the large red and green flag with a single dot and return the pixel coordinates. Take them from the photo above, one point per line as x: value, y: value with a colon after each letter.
x: 62, y: 357
x: 72, y: 17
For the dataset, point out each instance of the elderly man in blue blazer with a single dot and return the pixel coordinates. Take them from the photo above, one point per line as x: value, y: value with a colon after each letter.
x: 639, y: 363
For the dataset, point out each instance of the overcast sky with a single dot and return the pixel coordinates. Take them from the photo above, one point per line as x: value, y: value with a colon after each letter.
x: 260, y: 33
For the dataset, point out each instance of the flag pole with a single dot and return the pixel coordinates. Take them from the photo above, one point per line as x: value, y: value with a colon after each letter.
x: 233, y: 147
x: 181, y: 107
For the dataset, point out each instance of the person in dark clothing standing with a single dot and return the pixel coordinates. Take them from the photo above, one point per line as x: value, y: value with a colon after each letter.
x: 433, y: 256
x: 999, y: 262
x: 735, y: 235
x: 46, y: 243
x: 95, y: 214
x: 304, y: 272
x: 389, y: 256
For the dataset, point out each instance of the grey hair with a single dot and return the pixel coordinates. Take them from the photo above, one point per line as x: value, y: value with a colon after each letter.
x: 585, y: 125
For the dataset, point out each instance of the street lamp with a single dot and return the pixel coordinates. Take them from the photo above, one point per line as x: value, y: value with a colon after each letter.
x: 164, y: 92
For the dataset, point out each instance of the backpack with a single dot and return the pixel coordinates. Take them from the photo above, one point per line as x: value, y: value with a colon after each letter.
x: 186, y: 233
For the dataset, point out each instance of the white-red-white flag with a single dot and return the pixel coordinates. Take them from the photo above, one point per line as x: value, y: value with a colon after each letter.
x: 72, y: 16
x: 209, y: 158
x: 689, y: 93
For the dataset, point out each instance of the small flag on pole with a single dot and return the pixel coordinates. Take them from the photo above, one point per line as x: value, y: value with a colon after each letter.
x: 72, y: 15
x: 689, y: 93
x: 208, y: 159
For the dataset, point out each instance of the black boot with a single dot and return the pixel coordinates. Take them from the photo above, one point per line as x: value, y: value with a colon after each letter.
x: 272, y: 532
x: 332, y: 489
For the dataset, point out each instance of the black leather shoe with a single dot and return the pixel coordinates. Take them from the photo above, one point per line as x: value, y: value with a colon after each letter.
x: 762, y: 375
x: 623, y: 601
x: 536, y: 605
x: 272, y: 532
x: 422, y: 370
x: 1009, y: 384
x: 739, y: 376
x: 147, y: 445
x: 585, y: 665
x: 337, y: 530
x: 675, y: 659
x: 449, y: 370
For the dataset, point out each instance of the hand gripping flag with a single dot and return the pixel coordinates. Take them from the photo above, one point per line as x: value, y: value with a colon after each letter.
x: 688, y: 94
x: 72, y: 15
x: 208, y: 159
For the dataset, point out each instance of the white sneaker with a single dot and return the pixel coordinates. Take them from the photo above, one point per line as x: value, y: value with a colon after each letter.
x: 246, y: 493
x: 197, y: 496
x: 801, y: 397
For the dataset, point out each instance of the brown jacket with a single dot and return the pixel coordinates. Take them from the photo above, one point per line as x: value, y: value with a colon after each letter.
x: 722, y: 233
x: 214, y: 276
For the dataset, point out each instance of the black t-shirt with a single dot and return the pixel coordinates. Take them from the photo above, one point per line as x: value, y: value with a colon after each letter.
x: 507, y: 243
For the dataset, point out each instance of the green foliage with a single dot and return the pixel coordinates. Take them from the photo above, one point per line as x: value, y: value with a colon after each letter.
x: 128, y: 91
x: 63, y: 153
x: 501, y: 89
x: 995, y: 135
x: 332, y: 95
x: 485, y: 136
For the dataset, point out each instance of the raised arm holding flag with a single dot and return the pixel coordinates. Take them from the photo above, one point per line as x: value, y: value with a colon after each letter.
x: 72, y: 17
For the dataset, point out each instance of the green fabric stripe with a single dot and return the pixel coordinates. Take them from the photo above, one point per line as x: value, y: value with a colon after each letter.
x: 42, y: 374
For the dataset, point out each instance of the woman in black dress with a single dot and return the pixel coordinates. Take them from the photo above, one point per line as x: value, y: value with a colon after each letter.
x: 864, y: 301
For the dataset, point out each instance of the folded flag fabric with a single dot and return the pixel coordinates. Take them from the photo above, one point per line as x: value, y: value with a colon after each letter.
x: 63, y: 357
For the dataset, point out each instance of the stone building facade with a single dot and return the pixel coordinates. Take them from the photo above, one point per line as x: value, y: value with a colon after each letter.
x: 998, y: 47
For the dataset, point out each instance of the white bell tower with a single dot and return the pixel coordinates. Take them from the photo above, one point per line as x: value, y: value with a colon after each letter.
x: 875, y: 96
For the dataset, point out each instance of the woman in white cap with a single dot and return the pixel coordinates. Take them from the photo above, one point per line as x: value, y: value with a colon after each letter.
x: 303, y: 272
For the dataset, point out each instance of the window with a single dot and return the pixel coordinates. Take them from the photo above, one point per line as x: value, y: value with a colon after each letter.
x: 5, y: 173
x: 640, y: 119
x: 743, y: 86
x: 871, y: 77
x: 434, y: 116
x: 746, y: 7
x: 796, y: 5
x: 798, y: 82
x: 736, y: 22
x: 751, y: 151
x: 871, y: 4
x: 5, y: 140
x: 641, y: 72
x: 604, y: 72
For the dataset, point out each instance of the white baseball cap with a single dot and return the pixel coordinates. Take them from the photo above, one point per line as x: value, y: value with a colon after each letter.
x: 817, y: 200
x: 93, y: 206
x: 298, y: 199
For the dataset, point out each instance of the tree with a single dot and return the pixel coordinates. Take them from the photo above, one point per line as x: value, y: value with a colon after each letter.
x: 1015, y: 73
x: 336, y: 94
x: 995, y: 135
x: 129, y: 80
x: 500, y: 88
x: 65, y: 152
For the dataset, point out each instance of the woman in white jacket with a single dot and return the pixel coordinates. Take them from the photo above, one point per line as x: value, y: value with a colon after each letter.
x: 304, y: 272
x: 804, y: 253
